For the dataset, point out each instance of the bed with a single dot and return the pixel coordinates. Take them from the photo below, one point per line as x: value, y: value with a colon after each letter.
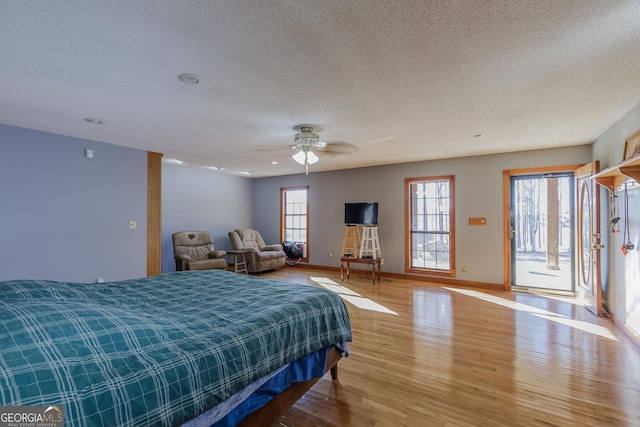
x: 182, y: 348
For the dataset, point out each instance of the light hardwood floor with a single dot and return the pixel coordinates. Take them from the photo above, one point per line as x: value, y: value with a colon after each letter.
x: 430, y: 355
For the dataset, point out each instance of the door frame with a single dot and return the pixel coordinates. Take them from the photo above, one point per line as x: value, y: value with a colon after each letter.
x: 506, y: 209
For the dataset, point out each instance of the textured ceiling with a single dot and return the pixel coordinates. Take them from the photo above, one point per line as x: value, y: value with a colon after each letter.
x: 401, y: 80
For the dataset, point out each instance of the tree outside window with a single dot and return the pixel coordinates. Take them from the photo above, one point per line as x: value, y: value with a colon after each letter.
x: 295, y: 217
x: 430, y: 227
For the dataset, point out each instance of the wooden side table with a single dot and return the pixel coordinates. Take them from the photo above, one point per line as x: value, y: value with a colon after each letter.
x: 239, y: 261
x: 348, y: 260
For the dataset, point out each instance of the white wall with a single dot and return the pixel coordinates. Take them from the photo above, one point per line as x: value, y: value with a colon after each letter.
x: 195, y: 198
x: 620, y: 273
x: 478, y: 193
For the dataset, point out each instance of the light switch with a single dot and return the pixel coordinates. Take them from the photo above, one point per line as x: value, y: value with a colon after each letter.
x: 132, y: 224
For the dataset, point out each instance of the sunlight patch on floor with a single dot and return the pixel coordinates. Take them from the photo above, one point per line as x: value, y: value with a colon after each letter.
x: 567, y: 300
x: 351, y: 296
x: 501, y: 301
x: 545, y: 314
x: 333, y: 286
x: 582, y: 325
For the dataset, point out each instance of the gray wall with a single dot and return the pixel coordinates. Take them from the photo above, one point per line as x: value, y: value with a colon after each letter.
x: 66, y: 217
x: 195, y: 198
x: 478, y: 193
x: 620, y: 273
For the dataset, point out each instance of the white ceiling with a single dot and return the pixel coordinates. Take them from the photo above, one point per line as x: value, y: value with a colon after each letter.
x: 401, y: 80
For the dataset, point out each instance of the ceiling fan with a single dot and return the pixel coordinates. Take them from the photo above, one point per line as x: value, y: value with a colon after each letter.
x: 306, y: 141
x: 307, y: 145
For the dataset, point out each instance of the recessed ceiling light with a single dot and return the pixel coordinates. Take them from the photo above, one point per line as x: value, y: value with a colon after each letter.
x: 274, y: 163
x: 191, y: 79
x: 93, y: 121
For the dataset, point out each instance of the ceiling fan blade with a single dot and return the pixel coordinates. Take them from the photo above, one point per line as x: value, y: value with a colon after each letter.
x: 276, y: 148
x: 339, y: 148
x: 319, y: 145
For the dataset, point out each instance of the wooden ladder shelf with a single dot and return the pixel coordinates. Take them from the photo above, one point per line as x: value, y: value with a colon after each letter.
x: 351, y: 240
x: 370, y: 244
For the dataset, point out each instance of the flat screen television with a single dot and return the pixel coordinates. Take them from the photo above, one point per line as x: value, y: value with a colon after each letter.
x: 361, y: 213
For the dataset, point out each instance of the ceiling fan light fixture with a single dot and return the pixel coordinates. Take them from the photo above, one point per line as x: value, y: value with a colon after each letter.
x: 300, y: 157
x: 312, y: 158
x: 305, y: 157
x: 306, y: 141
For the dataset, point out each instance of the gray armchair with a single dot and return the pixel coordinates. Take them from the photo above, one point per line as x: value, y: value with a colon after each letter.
x: 259, y: 256
x: 193, y: 250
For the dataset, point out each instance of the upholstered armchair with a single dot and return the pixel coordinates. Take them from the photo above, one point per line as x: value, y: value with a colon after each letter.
x: 193, y: 250
x: 259, y: 256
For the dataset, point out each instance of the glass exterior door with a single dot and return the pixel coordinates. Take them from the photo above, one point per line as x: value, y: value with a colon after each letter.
x: 542, y: 248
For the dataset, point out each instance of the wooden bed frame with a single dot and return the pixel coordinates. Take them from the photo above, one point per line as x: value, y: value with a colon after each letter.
x: 272, y: 411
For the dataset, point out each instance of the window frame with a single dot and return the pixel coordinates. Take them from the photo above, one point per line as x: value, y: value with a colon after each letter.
x: 283, y: 192
x: 451, y: 272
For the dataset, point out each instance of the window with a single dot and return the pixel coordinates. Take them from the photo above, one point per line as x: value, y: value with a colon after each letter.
x: 295, y: 217
x: 429, y: 242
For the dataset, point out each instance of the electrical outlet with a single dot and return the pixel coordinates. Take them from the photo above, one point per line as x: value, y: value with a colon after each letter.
x: 381, y: 261
x: 330, y: 255
x: 619, y: 299
x: 464, y: 268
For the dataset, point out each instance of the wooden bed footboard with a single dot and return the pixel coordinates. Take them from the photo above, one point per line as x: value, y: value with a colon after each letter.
x: 272, y: 411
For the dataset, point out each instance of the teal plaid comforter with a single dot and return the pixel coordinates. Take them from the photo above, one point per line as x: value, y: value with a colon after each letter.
x: 155, y: 351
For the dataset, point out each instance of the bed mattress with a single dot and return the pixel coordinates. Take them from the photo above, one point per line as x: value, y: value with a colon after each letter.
x: 158, y: 350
